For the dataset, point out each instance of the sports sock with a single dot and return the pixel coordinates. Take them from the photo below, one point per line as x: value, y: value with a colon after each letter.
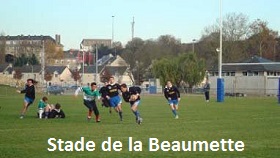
x: 46, y: 114
x: 89, y: 113
x: 136, y: 113
x: 97, y: 118
x: 174, y: 112
x: 120, y: 113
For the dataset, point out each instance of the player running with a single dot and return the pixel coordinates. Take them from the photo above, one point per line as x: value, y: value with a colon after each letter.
x: 132, y: 95
x: 90, y: 94
x: 112, y: 94
x: 29, y: 96
x: 105, y: 101
x: 172, y: 95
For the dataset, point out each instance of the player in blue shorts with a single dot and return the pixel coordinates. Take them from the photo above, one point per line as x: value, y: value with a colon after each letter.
x: 132, y: 95
x: 112, y: 94
x: 29, y: 96
x: 172, y: 95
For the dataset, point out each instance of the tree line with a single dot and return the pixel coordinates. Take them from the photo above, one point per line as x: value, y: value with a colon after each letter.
x: 169, y: 59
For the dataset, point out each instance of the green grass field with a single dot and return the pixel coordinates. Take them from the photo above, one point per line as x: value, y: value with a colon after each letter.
x: 255, y: 121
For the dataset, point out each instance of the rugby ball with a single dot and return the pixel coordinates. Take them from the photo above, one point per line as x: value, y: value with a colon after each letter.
x: 133, y: 97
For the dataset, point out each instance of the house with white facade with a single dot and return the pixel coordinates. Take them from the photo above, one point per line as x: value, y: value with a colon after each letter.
x: 254, y: 76
x: 107, y: 66
x: 61, y: 75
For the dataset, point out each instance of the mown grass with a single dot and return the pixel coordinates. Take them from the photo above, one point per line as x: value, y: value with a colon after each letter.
x: 255, y: 121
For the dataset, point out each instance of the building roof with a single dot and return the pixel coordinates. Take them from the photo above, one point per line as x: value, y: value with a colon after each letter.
x: 72, y: 53
x: 256, y: 59
x: 29, y: 37
x: 30, y: 68
x: 6, y: 68
x: 3, y: 67
x: 91, y: 69
x: 52, y: 69
x: 254, y: 63
x: 113, y: 70
x: 92, y: 42
x: 106, y: 59
x: 118, y: 61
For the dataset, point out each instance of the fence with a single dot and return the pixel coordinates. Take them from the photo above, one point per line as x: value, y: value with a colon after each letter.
x: 237, y: 92
x: 250, y: 85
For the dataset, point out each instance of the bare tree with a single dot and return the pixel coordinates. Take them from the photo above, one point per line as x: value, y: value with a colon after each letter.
x: 17, y: 75
x: 235, y: 30
x: 48, y: 76
x: 52, y: 52
x: 263, y: 40
x: 76, y: 76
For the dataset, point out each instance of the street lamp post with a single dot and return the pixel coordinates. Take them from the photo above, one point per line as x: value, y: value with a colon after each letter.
x: 113, y: 45
x: 193, y: 45
x: 43, y: 63
x: 220, y: 80
x: 96, y: 62
x: 31, y: 69
x: 274, y: 50
x: 83, y: 67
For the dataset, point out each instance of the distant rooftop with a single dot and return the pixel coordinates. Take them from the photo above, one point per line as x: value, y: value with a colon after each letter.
x: 28, y: 37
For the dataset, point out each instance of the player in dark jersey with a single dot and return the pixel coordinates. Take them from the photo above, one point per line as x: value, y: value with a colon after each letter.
x: 105, y: 101
x: 29, y: 96
x: 132, y: 95
x: 112, y: 94
x: 172, y: 95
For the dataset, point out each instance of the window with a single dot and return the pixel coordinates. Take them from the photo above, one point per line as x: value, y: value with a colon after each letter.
x: 244, y: 73
x: 232, y: 74
x: 273, y: 73
x: 256, y: 73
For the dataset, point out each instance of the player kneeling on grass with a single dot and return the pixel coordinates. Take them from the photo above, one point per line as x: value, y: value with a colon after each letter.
x: 43, y: 108
x: 132, y: 95
x: 46, y: 110
x: 172, y: 95
x: 90, y: 94
x: 56, y: 112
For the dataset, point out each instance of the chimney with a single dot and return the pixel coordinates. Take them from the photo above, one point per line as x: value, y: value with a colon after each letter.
x: 57, y: 39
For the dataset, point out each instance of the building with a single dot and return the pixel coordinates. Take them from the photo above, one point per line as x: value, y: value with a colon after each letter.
x: 30, y: 71
x: 119, y: 69
x: 89, y: 44
x: 62, y: 75
x: 254, y: 76
x: 28, y: 45
x: 71, y: 58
